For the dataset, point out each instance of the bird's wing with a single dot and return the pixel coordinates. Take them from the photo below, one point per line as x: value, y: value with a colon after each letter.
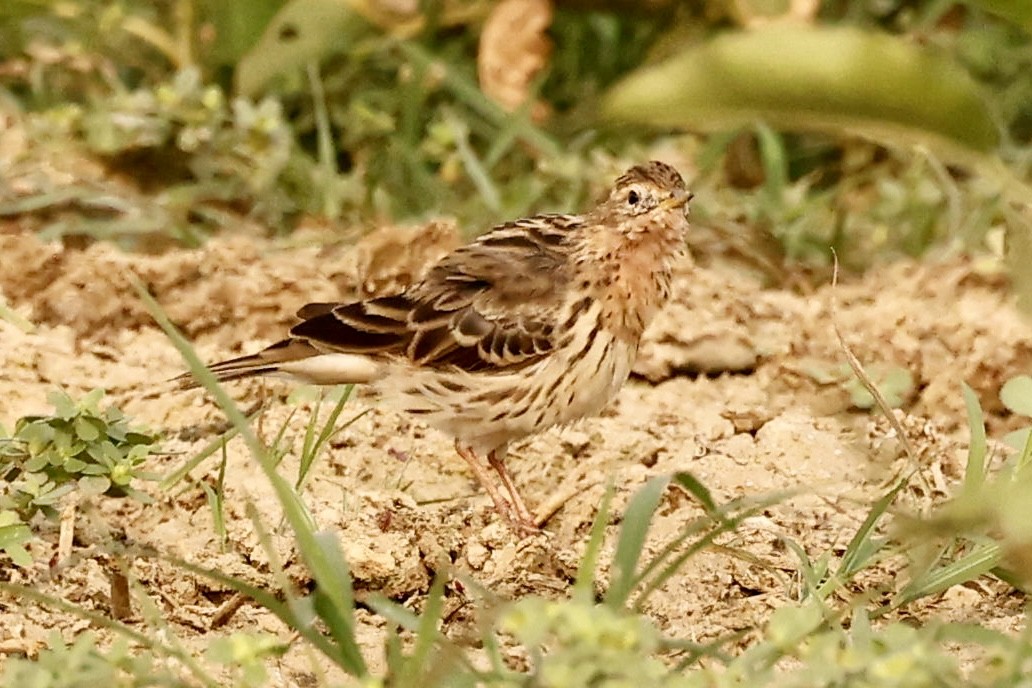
x: 490, y: 304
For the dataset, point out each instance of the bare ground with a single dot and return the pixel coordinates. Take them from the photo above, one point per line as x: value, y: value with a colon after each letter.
x: 732, y: 385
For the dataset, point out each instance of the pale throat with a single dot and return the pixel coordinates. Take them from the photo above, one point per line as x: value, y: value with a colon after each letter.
x: 630, y: 275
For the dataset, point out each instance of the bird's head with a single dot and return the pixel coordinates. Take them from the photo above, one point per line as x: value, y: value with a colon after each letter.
x: 647, y: 198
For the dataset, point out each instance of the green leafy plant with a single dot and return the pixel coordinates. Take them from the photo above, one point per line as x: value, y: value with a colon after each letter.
x: 81, y: 449
x: 83, y: 663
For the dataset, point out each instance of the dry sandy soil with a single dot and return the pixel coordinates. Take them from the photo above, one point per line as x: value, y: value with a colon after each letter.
x: 732, y: 385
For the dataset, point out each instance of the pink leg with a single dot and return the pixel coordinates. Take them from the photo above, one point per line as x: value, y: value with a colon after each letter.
x: 526, y: 520
x: 484, y: 478
x: 514, y: 512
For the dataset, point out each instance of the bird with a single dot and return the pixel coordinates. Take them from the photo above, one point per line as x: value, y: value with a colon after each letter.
x: 534, y: 324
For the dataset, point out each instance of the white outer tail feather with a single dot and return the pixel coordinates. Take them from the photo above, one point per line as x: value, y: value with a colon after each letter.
x: 332, y: 369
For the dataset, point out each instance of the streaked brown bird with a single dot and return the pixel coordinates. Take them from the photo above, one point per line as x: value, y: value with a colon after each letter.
x: 534, y: 324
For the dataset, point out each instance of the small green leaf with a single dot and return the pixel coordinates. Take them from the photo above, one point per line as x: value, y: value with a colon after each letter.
x: 974, y: 474
x: 94, y: 484
x: 1016, y: 395
x: 74, y: 465
x: 89, y: 402
x: 18, y: 554
x: 894, y: 382
x: 302, y: 31
x: 86, y: 429
x: 36, y: 463
x: 133, y: 437
x: 52, y: 495
x: 63, y: 405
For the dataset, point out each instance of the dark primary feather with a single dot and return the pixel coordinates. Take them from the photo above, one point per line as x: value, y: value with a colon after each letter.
x: 485, y: 305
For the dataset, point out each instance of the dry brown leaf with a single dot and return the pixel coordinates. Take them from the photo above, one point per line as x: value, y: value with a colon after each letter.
x: 513, y: 51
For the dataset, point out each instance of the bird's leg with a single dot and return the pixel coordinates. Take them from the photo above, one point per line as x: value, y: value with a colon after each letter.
x: 484, y: 478
x: 497, y: 460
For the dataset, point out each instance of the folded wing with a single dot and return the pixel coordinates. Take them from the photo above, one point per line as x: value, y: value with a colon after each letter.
x: 491, y: 304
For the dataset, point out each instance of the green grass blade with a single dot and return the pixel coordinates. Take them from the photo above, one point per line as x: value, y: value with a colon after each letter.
x: 975, y: 563
x: 810, y: 577
x: 695, y: 488
x: 974, y: 474
x: 394, y: 613
x: 468, y: 92
x: 335, y: 601
x: 636, y: 521
x: 418, y: 663
x: 584, y: 587
x: 861, y: 546
x: 322, y: 562
x: 329, y: 429
x: 290, y: 614
x: 177, y: 474
x: 726, y: 525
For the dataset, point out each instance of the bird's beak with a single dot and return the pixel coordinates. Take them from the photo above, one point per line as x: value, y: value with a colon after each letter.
x: 678, y: 199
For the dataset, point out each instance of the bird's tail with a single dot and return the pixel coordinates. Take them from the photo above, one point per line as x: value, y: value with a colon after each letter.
x: 294, y: 359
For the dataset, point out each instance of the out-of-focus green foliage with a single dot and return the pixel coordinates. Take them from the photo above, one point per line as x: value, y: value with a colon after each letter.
x: 832, y: 78
x: 383, y: 107
x: 1017, y: 11
x: 83, y: 663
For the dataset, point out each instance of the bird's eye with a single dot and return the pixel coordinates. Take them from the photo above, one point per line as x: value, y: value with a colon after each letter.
x: 633, y: 198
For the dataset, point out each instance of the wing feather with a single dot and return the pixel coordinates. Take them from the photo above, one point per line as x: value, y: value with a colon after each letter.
x: 490, y: 304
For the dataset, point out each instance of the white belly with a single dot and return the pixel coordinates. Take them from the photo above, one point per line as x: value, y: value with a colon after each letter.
x: 487, y: 410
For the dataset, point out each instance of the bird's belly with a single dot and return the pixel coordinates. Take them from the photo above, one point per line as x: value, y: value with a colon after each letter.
x: 586, y: 385
x: 488, y: 410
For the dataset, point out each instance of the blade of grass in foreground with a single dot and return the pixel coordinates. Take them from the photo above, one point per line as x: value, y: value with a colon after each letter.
x: 636, y: 521
x: 862, y: 547
x: 584, y: 587
x: 975, y: 563
x: 177, y: 474
x: 314, y: 444
x: 974, y: 474
x: 327, y: 568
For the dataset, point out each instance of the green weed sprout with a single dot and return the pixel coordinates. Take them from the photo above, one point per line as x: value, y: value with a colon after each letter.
x: 79, y: 448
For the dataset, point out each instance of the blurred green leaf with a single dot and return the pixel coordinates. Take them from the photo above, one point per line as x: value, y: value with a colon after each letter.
x: 1017, y: 11
x: 238, y: 24
x: 302, y: 31
x: 974, y: 474
x: 13, y: 536
x: 584, y: 587
x: 895, y: 383
x: 636, y: 521
x: 811, y: 78
x: 94, y: 484
x: 1017, y: 439
x: 975, y: 563
x: 1016, y: 395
